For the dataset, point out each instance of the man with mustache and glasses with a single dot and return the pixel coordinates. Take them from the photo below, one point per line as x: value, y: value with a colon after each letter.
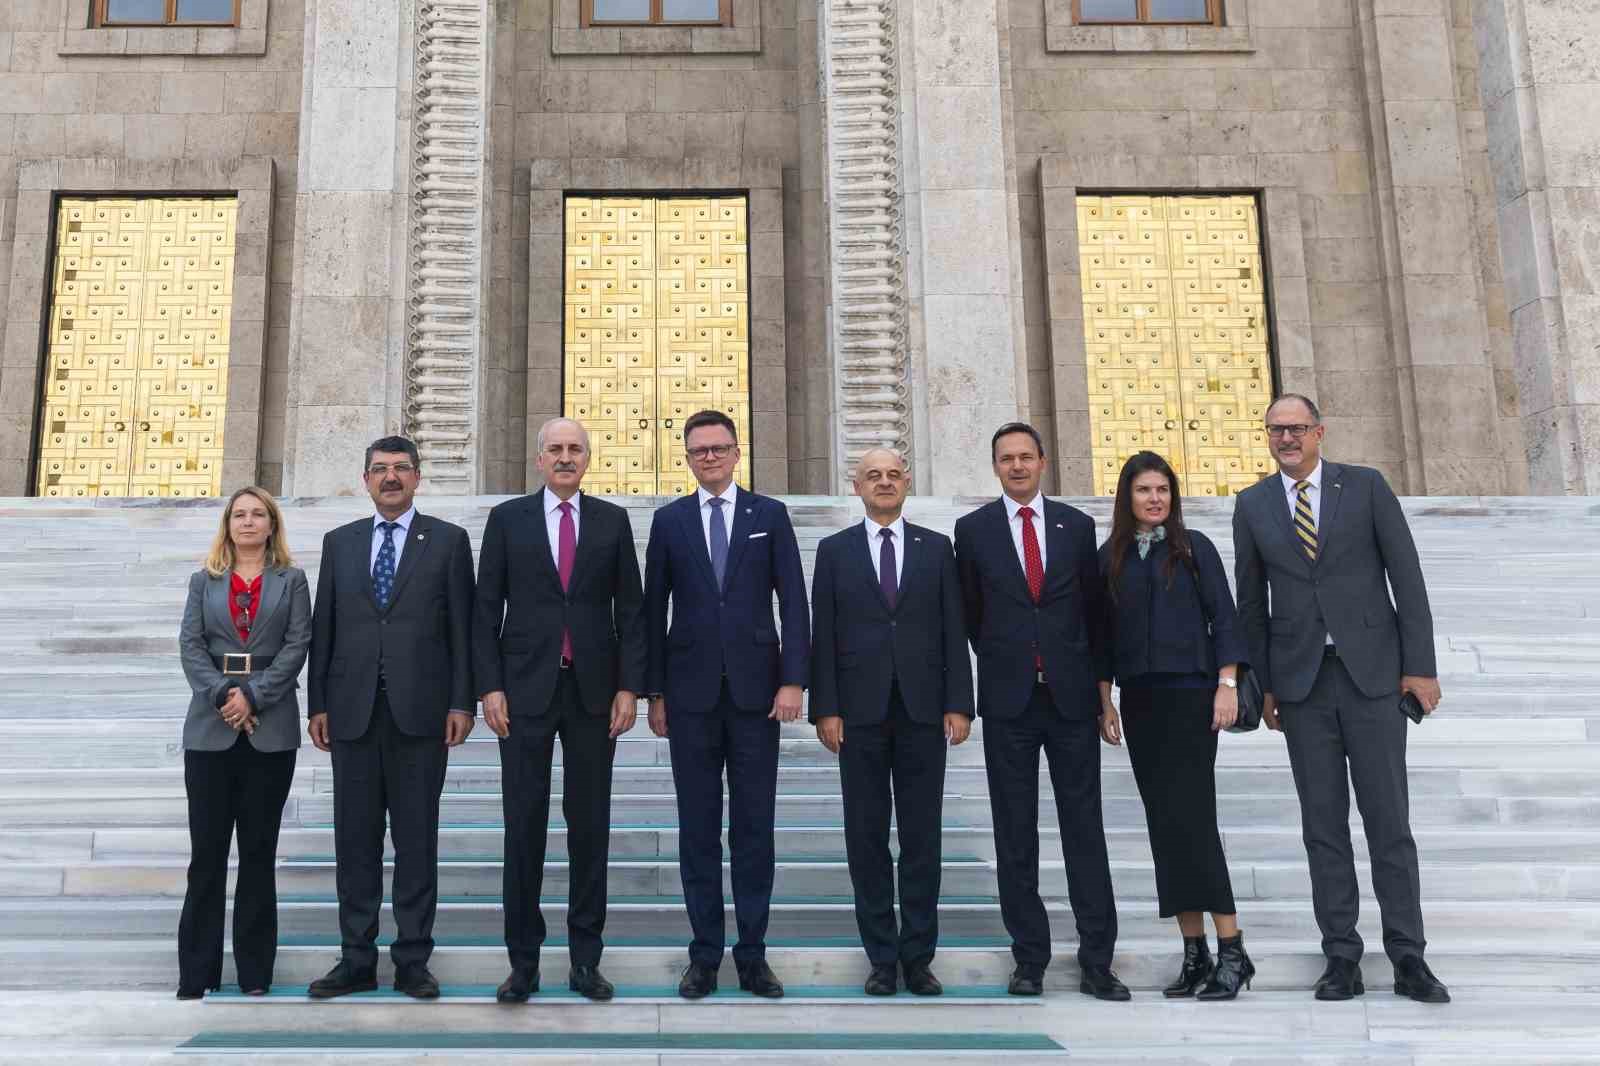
x: 1335, y: 655
x: 721, y: 680
x: 558, y: 639
x: 390, y: 691
x: 890, y: 685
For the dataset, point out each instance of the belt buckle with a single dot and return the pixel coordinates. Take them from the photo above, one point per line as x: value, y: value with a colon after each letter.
x: 236, y: 664
x: 566, y: 663
x: 1038, y: 677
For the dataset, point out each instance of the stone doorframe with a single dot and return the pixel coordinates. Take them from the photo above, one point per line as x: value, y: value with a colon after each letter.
x: 761, y: 179
x: 1288, y: 297
x: 39, y: 182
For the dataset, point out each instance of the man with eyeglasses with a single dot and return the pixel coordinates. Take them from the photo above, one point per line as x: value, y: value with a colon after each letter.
x: 721, y: 681
x: 1324, y: 543
x: 390, y: 691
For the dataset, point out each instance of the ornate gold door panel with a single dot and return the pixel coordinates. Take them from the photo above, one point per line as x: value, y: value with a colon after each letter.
x: 137, y: 363
x: 1175, y: 324
x: 656, y: 328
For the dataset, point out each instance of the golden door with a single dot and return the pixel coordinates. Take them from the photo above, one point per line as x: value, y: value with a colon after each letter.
x: 656, y: 327
x: 136, y: 369
x: 1174, y: 314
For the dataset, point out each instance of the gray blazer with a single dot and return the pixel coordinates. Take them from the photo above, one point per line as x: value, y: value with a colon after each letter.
x: 1364, y: 549
x: 282, y: 630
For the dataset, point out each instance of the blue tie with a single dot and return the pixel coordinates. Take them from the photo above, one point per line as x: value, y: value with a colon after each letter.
x: 383, y: 569
x: 719, y: 540
x: 887, y: 579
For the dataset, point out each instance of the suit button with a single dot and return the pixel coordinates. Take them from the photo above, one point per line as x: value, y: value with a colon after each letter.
x: 893, y: 624
x: 385, y: 621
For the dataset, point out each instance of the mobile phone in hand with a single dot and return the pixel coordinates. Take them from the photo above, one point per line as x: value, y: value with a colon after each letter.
x: 1411, y: 707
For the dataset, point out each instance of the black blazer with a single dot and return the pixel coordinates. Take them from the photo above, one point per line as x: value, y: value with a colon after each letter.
x: 859, y: 646
x: 423, y: 638
x: 1185, y: 626
x: 521, y: 609
x: 1006, y: 628
x: 1364, y: 550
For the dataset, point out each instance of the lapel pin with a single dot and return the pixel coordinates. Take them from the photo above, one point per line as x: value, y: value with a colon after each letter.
x: 1060, y: 526
x: 748, y: 510
x: 422, y: 536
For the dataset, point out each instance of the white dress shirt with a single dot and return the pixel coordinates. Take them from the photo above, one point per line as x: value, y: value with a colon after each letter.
x: 552, y: 522
x: 404, y: 521
x: 731, y: 494
x: 1314, y: 494
x: 1012, y: 507
x: 875, y: 545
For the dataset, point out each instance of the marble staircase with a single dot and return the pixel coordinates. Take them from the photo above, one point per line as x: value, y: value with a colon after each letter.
x: 1505, y: 795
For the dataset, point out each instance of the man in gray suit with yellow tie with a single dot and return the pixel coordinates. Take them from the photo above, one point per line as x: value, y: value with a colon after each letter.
x: 1334, y: 656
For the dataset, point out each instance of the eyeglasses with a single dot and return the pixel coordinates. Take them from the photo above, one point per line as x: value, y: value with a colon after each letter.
x: 243, y: 601
x: 708, y: 451
x: 1295, y: 431
x: 380, y: 469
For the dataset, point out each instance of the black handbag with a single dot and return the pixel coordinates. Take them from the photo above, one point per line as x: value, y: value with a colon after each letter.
x: 1251, y: 702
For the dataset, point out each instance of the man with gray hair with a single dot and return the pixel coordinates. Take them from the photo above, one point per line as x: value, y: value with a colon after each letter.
x: 559, y: 650
x: 890, y: 685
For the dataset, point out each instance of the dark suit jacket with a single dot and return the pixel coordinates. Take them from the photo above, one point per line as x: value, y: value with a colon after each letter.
x: 423, y: 639
x: 1364, y: 548
x: 859, y: 645
x: 1183, y: 626
x: 729, y: 628
x: 1005, y: 626
x: 522, y: 610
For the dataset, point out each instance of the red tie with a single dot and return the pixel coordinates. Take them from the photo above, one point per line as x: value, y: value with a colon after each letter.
x: 566, y: 549
x: 1034, y: 564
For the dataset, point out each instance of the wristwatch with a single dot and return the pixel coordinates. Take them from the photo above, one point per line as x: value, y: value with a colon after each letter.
x: 1228, y: 682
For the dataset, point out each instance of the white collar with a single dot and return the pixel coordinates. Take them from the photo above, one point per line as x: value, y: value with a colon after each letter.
x: 552, y: 501
x: 404, y: 521
x: 1012, y: 507
x: 897, y: 527
x: 731, y: 494
x: 1315, y: 479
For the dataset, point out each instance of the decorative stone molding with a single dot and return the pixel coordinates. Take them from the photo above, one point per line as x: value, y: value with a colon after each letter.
x: 867, y: 253
x: 1061, y: 35
x: 79, y: 38
x: 443, y: 294
x: 569, y: 37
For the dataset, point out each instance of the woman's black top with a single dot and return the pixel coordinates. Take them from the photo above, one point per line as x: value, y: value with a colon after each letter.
x: 1170, y: 632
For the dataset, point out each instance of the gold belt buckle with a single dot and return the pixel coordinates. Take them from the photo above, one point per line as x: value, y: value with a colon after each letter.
x: 236, y: 664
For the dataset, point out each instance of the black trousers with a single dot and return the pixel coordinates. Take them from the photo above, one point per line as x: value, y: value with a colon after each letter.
x: 525, y: 759
x: 387, y: 770
x: 1011, y: 753
x: 703, y: 743
x: 896, y: 765
x: 1337, y: 736
x: 1174, y: 756
x: 238, y: 791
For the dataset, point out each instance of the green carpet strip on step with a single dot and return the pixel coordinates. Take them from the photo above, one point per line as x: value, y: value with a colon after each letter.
x: 560, y: 992
x: 600, y: 1042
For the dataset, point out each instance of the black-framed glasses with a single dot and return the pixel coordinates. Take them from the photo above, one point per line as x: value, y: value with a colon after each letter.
x: 710, y: 451
x: 1296, y: 431
x: 380, y: 469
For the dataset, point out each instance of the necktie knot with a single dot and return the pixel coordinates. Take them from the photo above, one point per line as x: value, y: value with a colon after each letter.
x: 564, y: 507
x: 1301, y: 486
x: 886, y: 534
x: 716, y: 502
x: 1025, y: 512
x: 388, y: 527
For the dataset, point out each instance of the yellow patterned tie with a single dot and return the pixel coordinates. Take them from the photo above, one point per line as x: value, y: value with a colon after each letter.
x: 1305, y: 524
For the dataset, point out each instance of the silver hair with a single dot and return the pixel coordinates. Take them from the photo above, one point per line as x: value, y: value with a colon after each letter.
x: 570, y: 422
x: 1316, y: 415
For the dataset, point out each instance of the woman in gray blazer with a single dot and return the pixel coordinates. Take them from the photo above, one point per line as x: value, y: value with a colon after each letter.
x: 246, y: 628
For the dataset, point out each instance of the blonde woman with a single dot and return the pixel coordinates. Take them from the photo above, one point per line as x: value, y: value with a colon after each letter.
x: 246, y: 628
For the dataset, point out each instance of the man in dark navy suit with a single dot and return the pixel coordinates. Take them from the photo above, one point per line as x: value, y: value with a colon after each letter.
x: 891, y: 683
x: 1030, y: 579
x: 721, y: 681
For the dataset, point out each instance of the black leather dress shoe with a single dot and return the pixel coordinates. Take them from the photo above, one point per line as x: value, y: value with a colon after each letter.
x: 191, y: 993
x: 697, y: 982
x: 759, y: 980
x: 1027, y: 981
x: 921, y: 982
x: 882, y: 981
x: 342, y: 980
x: 1101, y: 983
x: 416, y: 981
x: 517, y: 987
x: 1413, y: 978
x: 589, y: 983
x: 1341, y: 980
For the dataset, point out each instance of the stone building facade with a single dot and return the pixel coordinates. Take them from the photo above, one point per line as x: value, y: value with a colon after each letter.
x: 848, y: 221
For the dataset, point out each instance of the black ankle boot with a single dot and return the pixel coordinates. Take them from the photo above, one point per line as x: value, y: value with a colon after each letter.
x: 1234, y: 970
x: 1196, y: 970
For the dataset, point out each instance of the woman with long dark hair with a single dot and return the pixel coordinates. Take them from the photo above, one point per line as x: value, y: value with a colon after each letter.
x: 1175, y: 655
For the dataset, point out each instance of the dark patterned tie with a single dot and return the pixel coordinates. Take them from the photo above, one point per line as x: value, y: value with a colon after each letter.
x: 719, y: 540
x: 1305, y: 523
x: 383, y: 569
x: 886, y: 574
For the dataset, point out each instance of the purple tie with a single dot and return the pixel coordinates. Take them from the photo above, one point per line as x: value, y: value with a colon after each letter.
x: 886, y: 579
x: 566, y: 550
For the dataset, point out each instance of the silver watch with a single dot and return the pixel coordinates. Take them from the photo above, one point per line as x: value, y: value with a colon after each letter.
x: 1228, y: 681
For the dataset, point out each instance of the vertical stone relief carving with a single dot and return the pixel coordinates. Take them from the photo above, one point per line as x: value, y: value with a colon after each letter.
x: 861, y: 102
x: 446, y: 239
